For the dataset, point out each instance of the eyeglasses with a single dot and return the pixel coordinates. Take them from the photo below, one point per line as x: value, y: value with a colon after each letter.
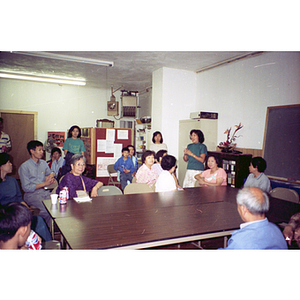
x: 80, y: 165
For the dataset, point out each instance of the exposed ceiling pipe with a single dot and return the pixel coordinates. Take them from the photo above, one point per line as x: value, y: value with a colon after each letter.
x: 230, y: 60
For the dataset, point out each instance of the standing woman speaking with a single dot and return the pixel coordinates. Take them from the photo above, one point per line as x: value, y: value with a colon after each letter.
x: 194, y: 154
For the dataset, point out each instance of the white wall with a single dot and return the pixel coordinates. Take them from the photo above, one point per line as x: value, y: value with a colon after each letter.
x: 58, y: 107
x: 241, y: 92
x: 173, y: 98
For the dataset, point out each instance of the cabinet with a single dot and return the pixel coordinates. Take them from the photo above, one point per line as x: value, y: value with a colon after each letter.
x: 235, y: 165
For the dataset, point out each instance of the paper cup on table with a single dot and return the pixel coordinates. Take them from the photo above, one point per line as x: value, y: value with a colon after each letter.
x: 54, y: 198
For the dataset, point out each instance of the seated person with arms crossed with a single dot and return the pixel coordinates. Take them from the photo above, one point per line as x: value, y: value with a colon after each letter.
x: 214, y: 175
x: 257, y: 232
x: 126, y: 168
x: 10, y: 192
x: 256, y: 177
x: 15, y: 221
x: 146, y: 173
x: 166, y: 180
x: 35, y: 174
x: 292, y: 230
x: 75, y: 181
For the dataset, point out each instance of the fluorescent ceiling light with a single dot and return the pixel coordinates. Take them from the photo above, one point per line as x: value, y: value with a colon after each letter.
x: 43, y: 79
x: 67, y: 58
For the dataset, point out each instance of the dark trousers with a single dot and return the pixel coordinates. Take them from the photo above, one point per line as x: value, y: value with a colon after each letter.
x: 123, y: 179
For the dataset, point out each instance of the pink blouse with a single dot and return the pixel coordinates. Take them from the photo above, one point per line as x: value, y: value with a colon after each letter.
x: 146, y: 175
x: 212, y: 178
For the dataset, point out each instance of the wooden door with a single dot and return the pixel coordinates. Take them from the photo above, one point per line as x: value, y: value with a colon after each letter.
x: 21, y: 127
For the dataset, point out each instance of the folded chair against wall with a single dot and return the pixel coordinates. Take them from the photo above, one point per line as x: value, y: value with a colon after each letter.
x: 285, y: 194
x: 138, y: 188
x: 111, y: 181
x: 109, y: 190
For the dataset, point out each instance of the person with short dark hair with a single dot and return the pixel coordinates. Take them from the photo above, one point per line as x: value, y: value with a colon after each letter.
x: 158, y: 156
x: 35, y: 175
x: 158, y: 143
x: 10, y: 192
x: 56, y: 161
x: 257, y: 178
x: 194, y: 155
x: 131, y: 155
x: 5, y: 144
x: 214, y: 175
x: 73, y: 143
x: 126, y: 168
x: 166, y: 181
x: 257, y: 232
x: 15, y: 221
x: 146, y: 173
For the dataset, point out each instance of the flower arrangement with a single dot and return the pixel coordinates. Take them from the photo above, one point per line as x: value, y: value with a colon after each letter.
x: 229, y: 145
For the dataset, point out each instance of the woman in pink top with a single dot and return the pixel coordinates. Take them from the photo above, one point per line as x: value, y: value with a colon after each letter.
x: 147, y: 174
x: 214, y: 176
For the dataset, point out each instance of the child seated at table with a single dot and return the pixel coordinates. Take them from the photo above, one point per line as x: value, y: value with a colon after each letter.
x: 126, y: 168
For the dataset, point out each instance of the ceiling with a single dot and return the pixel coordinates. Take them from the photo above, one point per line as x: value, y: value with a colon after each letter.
x: 132, y: 69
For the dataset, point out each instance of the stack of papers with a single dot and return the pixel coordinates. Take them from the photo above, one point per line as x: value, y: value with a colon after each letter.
x: 82, y: 199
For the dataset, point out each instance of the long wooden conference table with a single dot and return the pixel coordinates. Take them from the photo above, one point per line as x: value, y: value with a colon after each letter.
x: 138, y: 221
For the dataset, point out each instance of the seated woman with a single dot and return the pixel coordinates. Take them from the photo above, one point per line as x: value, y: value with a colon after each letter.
x: 56, y: 161
x: 146, y: 174
x: 166, y: 179
x: 75, y: 181
x: 256, y: 177
x: 158, y: 144
x: 158, y: 156
x: 10, y: 192
x: 214, y: 176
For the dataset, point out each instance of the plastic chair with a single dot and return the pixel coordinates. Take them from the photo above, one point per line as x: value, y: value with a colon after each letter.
x: 285, y: 194
x: 111, y: 181
x: 109, y: 190
x: 138, y: 188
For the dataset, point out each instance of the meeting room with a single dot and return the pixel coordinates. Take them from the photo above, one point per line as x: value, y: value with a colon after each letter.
x: 194, y: 150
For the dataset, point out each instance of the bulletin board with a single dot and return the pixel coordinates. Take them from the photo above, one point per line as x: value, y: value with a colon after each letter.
x: 282, y: 142
x: 108, y: 148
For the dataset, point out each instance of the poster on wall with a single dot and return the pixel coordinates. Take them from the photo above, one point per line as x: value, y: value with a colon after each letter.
x: 102, y: 163
x: 58, y: 136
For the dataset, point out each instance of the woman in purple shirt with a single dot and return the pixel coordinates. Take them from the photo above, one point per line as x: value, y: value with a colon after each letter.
x: 76, y: 182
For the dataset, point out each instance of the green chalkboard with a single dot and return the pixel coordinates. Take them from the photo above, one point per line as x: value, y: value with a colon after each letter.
x: 282, y: 142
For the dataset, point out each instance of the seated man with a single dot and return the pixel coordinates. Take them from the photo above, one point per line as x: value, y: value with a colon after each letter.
x: 15, y: 221
x: 292, y: 230
x: 256, y: 177
x: 257, y: 232
x: 35, y: 174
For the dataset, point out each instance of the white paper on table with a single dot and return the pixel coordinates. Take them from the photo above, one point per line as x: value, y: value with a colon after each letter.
x: 110, y: 134
x: 101, y: 145
x: 122, y: 134
x: 102, y: 163
x: 82, y: 199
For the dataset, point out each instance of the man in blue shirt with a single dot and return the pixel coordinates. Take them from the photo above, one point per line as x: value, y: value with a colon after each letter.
x: 257, y: 232
x: 35, y: 174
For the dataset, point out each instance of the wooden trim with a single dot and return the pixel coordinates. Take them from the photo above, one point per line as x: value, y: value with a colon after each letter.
x: 35, y: 121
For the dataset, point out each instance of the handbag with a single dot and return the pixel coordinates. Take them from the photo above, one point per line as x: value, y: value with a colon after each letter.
x: 82, y: 193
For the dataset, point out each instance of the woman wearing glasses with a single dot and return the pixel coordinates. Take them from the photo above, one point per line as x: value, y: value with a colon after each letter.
x: 194, y: 155
x: 76, y: 182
